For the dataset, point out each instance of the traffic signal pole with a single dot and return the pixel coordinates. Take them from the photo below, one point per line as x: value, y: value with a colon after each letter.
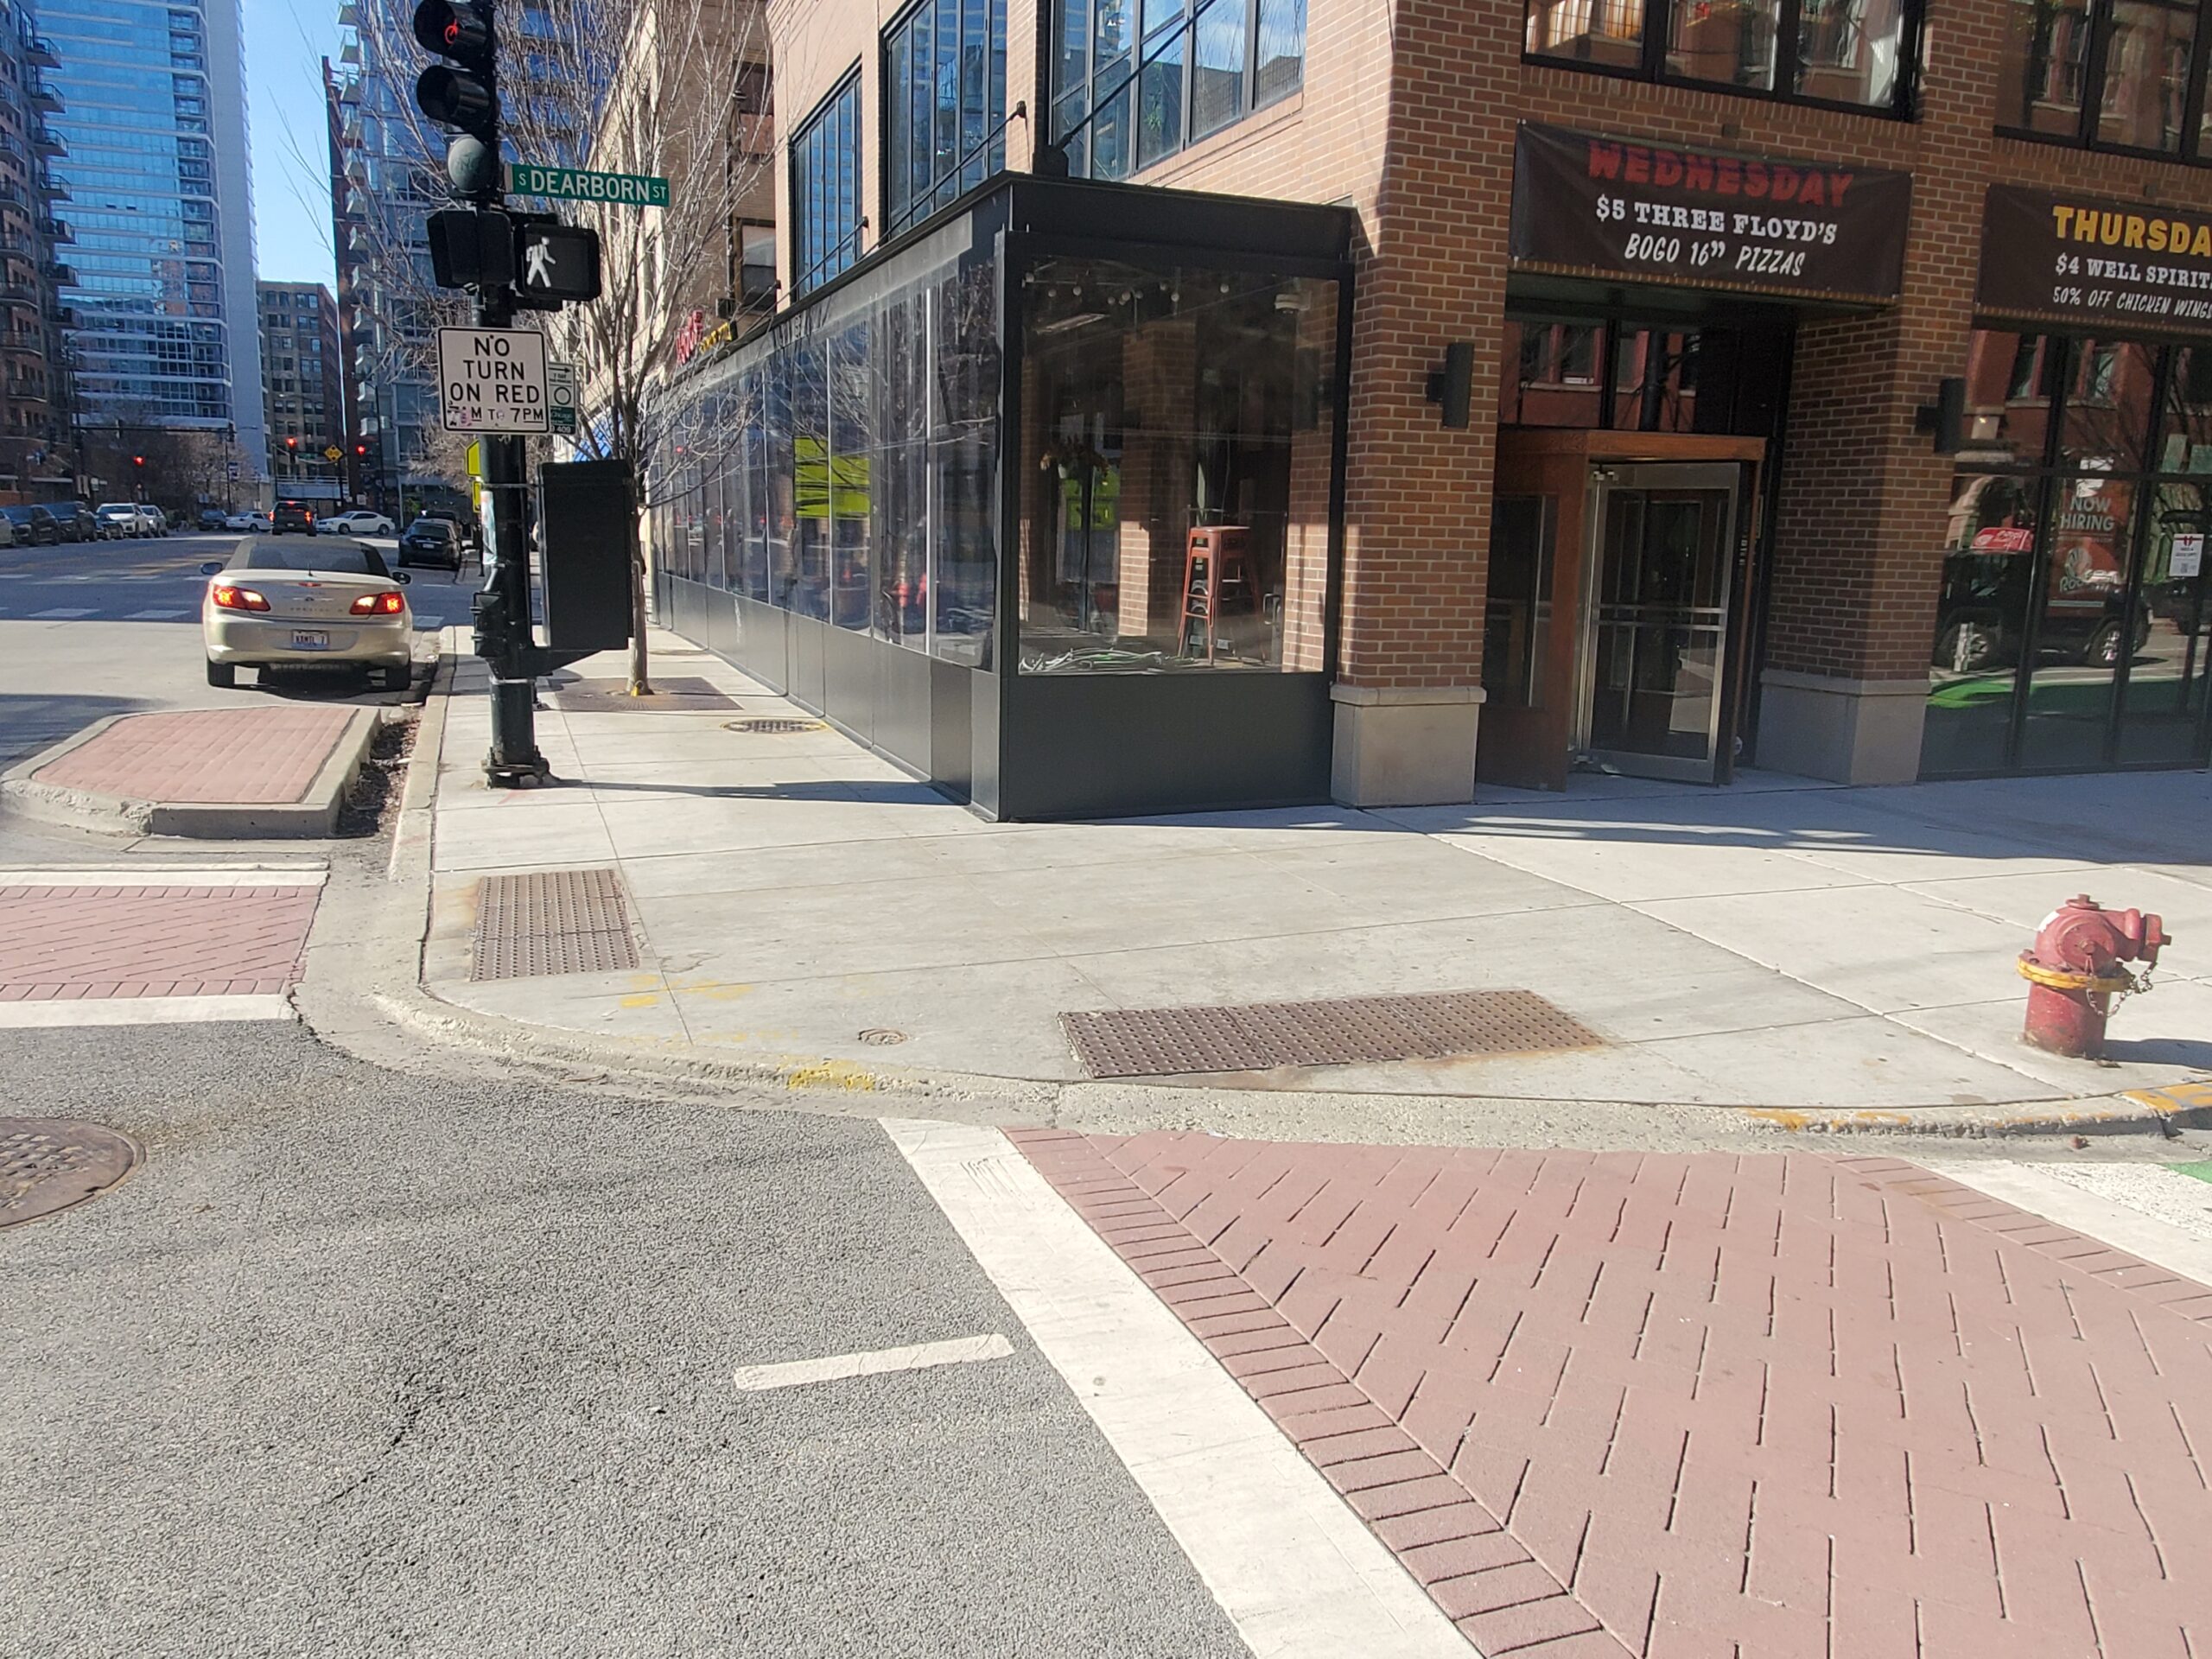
x: 465, y: 94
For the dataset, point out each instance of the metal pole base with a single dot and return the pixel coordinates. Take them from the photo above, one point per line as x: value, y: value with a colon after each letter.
x: 513, y: 761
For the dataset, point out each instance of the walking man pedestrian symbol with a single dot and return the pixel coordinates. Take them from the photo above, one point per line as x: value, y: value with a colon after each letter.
x: 538, y: 263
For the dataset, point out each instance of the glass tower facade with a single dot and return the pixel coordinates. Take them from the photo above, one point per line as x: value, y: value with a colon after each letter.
x: 150, y: 149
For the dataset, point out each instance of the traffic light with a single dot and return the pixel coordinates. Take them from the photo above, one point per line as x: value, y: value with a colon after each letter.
x: 137, y: 460
x: 464, y: 94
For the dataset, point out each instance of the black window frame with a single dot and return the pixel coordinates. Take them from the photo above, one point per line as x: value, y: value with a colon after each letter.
x: 1904, y: 96
x: 2196, y: 148
x: 839, y: 257
x: 1144, y: 52
x: 990, y: 150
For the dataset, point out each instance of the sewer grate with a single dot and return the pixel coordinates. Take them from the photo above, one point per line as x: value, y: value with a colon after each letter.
x: 772, y: 725
x: 550, y: 922
x: 678, y: 695
x: 1343, y: 1030
x: 49, y: 1163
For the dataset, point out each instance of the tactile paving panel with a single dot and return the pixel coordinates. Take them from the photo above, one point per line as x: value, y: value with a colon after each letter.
x: 681, y: 695
x: 551, y: 922
x: 1342, y: 1031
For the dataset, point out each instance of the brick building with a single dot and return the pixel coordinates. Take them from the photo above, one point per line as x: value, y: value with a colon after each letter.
x: 1821, y: 385
x: 303, y: 390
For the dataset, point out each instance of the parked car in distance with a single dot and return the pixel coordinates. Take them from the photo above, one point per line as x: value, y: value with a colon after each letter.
x: 293, y: 517
x: 282, y: 602
x: 358, y: 522
x: 156, y: 518
x: 77, y: 521
x: 464, y: 526
x: 120, y: 518
x: 249, y: 521
x: 35, y: 525
x: 214, y: 518
x: 7, y: 531
x: 431, y: 540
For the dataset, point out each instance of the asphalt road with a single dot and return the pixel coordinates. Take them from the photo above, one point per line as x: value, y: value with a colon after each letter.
x: 357, y: 1363
x: 95, y: 628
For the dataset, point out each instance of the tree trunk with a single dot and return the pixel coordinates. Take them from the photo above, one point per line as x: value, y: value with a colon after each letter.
x: 641, y: 684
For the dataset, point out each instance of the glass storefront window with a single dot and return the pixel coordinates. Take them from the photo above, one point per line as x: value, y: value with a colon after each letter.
x: 2083, y: 631
x: 2148, y: 47
x: 1662, y: 379
x: 1177, y: 451
x: 2010, y: 382
x: 1605, y: 32
x: 1981, y: 615
x: 1516, y: 606
x: 2110, y: 390
x: 2105, y: 74
x: 2163, y: 709
x: 1848, y: 51
x: 2185, y: 431
x: 2043, y: 77
x: 1728, y: 41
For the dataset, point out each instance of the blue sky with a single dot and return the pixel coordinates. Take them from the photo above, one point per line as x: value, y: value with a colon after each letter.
x: 285, y: 43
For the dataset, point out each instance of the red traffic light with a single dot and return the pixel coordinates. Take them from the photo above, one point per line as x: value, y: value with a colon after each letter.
x: 137, y: 460
x: 360, y: 448
x: 291, y: 444
x: 454, y: 29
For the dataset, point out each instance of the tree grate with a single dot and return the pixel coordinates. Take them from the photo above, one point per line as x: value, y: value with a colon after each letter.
x: 678, y: 695
x: 773, y: 726
x: 1343, y: 1031
x: 551, y: 922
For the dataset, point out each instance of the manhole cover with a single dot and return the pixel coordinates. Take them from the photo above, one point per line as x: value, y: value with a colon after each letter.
x: 49, y: 1163
x: 772, y: 725
x: 882, y: 1036
x: 1343, y: 1031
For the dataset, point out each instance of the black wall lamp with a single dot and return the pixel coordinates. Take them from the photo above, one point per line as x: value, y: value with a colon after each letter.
x: 1453, y: 385
x: 1946, y: 417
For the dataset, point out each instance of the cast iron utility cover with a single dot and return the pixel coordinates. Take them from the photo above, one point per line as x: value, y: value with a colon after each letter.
x: 671, y: 697
x: 551, y: 922
x: 49, y: 1163
x: 1343, y: 1030
x: 773, y: 726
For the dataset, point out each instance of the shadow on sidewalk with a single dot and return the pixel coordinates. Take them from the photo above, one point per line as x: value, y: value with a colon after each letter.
x: 874, y: 792
x: 30, y: 722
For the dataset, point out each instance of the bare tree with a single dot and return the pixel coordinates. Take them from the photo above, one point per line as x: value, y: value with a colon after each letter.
x: 677, y: 89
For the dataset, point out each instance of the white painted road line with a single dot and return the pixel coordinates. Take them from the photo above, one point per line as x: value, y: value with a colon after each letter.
x: 64, y: 615
x: 51, y: 1015
x: 754, y: 1379
x: 168, y: 875
x: 155, y: 616
x: 1296, y: 1571
x: 2072, y: 1201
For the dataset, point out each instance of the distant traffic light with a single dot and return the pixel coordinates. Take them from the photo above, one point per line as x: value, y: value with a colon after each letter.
x: 360, y: 448
x: 137, y: 460
x: 464, y: 94
x: 292, y: 443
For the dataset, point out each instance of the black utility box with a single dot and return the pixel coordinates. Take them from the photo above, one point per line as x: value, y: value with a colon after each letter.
x: 586, y: 512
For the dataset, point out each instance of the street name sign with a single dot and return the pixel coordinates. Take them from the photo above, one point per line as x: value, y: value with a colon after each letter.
x: 491, y: 380
x: 560, y: 397
x: 579, y: 184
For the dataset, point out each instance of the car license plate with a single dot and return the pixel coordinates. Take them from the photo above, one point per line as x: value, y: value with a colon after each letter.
x: 304, y: 640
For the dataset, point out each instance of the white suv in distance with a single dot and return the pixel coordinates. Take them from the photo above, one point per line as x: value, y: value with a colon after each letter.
x: 120, y: 518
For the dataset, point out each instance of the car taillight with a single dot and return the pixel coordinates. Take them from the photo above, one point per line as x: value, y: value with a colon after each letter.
x: 385, y: 604
x: 239, y: 599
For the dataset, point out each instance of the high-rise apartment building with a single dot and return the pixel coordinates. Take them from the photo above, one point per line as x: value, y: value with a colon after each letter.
x: 148, y: 144
x: 36, y: 457
x: 301, y: 389
x: 385, y: 183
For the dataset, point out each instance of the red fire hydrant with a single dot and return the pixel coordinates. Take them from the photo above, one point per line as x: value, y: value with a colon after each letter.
x: 2074, y: 972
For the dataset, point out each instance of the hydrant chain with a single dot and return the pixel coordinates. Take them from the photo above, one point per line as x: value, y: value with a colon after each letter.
x: 2074, y: 973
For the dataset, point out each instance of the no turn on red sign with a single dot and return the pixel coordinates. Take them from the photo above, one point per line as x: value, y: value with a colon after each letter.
x: 491, y: 380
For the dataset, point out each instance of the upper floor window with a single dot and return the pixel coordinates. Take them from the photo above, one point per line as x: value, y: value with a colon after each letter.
x: 1854, y: 54
x: 826, y: 188
x: 944, y: 106
x: 1136, y: 81
x: 2111, y: 74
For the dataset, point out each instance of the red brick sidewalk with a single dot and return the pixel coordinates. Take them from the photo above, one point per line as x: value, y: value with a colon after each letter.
x: 63, y: 943
x: 267, y: 756
x: 1700, y: 1405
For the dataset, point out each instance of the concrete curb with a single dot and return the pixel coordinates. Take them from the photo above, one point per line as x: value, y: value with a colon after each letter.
x: 363, y: 991
x: 315, y: 816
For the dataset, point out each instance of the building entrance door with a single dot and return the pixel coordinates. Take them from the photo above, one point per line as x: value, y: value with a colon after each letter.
x: 1618, y: 592
x: 1654, y: 643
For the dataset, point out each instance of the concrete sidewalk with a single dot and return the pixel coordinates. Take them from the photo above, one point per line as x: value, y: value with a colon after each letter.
x: 797, y: 900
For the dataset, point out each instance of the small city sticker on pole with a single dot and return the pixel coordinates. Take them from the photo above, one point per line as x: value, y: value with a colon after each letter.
x: 491, y: 380
x: 560, y: 394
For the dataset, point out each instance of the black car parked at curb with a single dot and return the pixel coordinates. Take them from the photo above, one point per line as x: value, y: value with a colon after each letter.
x: 35, y: 525
x: 430, y: 541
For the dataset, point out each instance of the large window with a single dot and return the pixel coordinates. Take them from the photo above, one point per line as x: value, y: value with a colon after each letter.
x: 1857, y: 54
x: 826, y: 189
x: 2111, y: 74
x: 944, y: 106
x: 2074, y: 622
x: 1136, y: 81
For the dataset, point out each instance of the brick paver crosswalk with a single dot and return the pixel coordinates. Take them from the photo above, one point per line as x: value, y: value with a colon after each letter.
x: 265, y: 756
x: 1679, y: 1406
x: 59, y: 943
